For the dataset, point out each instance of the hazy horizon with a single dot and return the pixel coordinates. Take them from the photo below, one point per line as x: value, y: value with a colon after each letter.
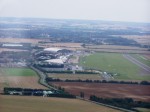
x: 105, y: 10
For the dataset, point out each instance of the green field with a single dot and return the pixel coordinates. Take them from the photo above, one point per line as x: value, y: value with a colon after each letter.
x: 17, y: 71
x: 40, y: 104
x: 75, y: 76
x: 143, y: 109
x: 114, y: 63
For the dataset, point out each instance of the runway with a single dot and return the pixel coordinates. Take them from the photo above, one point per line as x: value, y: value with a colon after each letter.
x: 138, y: 63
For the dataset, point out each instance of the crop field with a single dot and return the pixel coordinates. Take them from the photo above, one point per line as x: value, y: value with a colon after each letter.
x: 106, y: 90
x: 144, y: 39
x: 16, y: 50
x: 76, y: 76
x: 18, y: 71
x: 20, y: 40
x: 71, y: 46
x: 115, y: 63
x: 117, y: 49
x: 40, y: 104
x: 19, y: 77
x: 75, y: 45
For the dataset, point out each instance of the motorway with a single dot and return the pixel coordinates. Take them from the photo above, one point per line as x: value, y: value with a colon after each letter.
x: 138, y: 63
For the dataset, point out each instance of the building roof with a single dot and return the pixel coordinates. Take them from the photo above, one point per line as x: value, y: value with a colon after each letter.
x: 52, y: 49
x: 57, y: 61
x: 12, y: 45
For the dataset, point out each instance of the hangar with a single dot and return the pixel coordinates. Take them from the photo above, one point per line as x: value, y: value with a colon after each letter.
x: 55, y: 61
x: 52, y: 49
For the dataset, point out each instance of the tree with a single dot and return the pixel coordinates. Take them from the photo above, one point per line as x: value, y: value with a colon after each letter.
x: 82, y: 94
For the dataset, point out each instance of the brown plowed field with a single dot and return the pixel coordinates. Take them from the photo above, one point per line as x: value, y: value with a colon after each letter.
x: 20, y: 81
x: 137, y: 92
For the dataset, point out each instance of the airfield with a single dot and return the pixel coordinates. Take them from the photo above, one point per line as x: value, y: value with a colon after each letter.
x: 118, y: 63
x: 121, y: 66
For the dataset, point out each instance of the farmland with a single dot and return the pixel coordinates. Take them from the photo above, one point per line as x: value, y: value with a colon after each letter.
x: 144, y: 39
x: 75, y: 76
x: 5, y: 49
x: 40, y: 104
x: 137, y: 92
x: 114, y: 63
x: 18, y: 72
x: 91, y: 55
x: 117, y: 49
x: 71, y: 46
x: 18, y: 77
x: 20, y: 40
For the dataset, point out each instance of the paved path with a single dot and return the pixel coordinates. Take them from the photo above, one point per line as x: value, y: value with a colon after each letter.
x: 42, y: 79
x: 138, y: 63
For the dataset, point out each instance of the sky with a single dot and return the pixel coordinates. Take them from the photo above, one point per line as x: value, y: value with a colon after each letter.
x: 113, y: 10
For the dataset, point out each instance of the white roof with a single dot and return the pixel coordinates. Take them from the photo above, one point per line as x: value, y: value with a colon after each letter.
x: 58, y: 61
x: 52, y: 49
x: 12, y: 45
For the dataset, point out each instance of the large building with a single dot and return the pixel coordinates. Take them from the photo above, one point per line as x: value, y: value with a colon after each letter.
x: 52, y: 57
x: 54, y: 61
x: 53, y: 50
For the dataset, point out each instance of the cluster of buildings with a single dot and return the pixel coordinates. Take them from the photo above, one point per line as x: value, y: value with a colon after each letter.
x: 28, y: 92
x: 52, y: 58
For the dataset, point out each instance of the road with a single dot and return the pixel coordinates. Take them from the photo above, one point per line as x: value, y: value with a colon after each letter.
x: 42, y: 79
x: 138, y: 63
x: 106, y: 105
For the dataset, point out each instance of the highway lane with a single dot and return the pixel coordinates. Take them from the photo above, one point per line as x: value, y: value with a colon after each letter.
x: 138, y: 63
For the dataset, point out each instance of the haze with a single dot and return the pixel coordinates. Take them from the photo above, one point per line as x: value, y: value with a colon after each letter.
x: 113, y: 10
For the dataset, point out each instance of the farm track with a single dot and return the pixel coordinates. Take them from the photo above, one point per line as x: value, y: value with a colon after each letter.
x: 138, y: 63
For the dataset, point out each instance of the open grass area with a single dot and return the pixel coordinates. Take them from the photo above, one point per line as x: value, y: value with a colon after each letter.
x: 75, y: 76
x: 114, y: 63
x: 17, y: 72
x: 40, y: 104
x: 143, y: 109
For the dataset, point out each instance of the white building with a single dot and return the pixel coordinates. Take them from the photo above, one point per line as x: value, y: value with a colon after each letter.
x: 52, y: 49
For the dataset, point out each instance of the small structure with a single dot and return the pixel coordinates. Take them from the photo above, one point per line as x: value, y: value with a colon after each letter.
x: 46, y: 93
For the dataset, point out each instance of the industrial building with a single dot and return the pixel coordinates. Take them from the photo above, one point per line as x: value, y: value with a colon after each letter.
x: 52, y: 58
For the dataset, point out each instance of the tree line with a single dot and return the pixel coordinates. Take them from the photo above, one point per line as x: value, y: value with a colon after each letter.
x: 49, y: 79
x: 37, y: 92
x: 127, y: 103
